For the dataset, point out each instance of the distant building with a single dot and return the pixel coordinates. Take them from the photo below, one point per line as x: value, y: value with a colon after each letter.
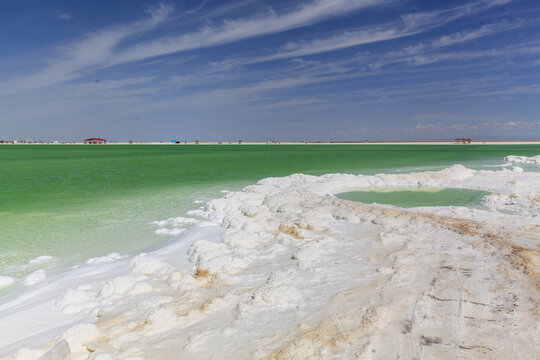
x: 95, y: 141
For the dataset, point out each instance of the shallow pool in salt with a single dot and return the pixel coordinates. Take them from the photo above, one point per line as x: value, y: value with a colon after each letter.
x: 414, y: 197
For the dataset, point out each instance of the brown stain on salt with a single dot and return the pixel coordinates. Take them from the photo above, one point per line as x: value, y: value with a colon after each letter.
x: 290, y: 230
x: 205, y: 278
x: 524, y: 259
x: 305, y: 226
x: 202, y: 274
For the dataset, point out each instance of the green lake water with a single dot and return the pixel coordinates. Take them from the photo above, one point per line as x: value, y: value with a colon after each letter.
x: 74, y: 202
x: 418, y: 197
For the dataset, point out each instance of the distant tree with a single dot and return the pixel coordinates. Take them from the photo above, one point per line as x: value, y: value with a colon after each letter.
x: 197, y: 142
x: 239, y: 141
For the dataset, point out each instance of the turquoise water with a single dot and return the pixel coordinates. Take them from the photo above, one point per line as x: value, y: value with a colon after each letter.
x: 74, y: 202
x: 418, y: 197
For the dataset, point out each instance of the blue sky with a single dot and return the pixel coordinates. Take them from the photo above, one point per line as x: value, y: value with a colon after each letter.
x: 269, y: 70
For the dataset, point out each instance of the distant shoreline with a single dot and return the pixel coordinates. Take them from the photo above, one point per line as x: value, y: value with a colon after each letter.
x: 477, y: 142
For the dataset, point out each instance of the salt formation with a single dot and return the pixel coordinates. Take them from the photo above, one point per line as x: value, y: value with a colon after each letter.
x: 284, y: 270
x: 6, y: 281
x: 523, y: 159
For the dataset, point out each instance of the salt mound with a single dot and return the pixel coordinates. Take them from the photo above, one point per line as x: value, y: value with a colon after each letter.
x: 535, y: 160
x: 284, y: 270
x: 6, y: 281
x: 40, y: 259
x: 35, y: 277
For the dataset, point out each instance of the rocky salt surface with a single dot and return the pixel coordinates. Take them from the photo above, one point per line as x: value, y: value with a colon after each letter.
x: 284, y: 270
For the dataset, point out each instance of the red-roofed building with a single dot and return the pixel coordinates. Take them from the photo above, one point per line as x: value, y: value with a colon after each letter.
x: 95, y: 141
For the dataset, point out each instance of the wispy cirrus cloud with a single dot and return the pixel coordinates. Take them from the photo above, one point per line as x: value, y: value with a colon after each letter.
x: 483, y: 31
x: 98, y: 49
x: 450, y: 14
x: 235, y: 30
x: 436, y: 50
x: 65, y: 16
x: 95, y: 49
x: 147, y: 68
x: 410, y: 25
x: 341, y: 41
x: 483, y: 126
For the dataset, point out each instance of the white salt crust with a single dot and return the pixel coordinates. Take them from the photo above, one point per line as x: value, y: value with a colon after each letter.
x: 40, y: 259
x: 523, y: 159
x: 174, y: 226
x: 6, y: 281
x: 284, y: 270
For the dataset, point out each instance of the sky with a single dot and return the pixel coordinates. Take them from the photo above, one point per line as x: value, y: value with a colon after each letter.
x: 261, y: 70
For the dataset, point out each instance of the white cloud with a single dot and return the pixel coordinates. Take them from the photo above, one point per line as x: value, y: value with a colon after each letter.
x: 436, y: 50
x: 412, y: 24
x: 234, y: 30
x: 340, y: 41
x: 98, y: 48
x: 90, y: 52
x: 484, y: 126
x: 448, y: 15
x: 65, y: 16
x: 483, y: 31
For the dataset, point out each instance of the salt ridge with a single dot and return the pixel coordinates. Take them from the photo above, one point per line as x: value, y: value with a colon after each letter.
x: 523, y: 159
x: 175, y: 226
x: 40, y: 259
x: 284, y: 270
